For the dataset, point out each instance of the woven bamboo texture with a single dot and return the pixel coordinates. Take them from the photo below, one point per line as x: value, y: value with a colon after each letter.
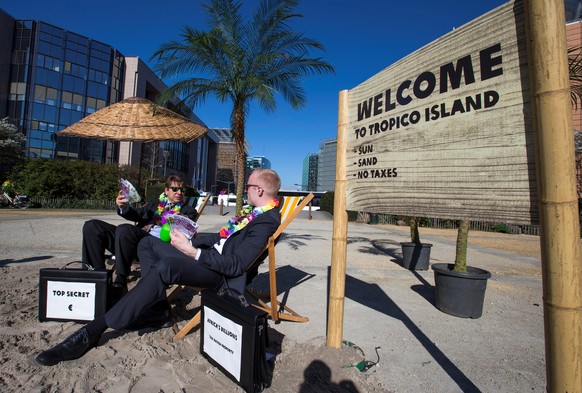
x: 136, y: 119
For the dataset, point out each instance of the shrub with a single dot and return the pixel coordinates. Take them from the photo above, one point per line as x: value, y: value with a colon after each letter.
x: 501, y: 228
x: 74, y: 180
x: 327, y: 202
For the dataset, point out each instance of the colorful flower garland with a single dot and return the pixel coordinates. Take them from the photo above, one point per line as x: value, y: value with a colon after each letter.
x: 161, y: 213
x: 247, y: 214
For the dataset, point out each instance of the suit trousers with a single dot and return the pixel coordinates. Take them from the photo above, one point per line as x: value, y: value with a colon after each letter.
x: 161, y: 266
x: 121, y: 240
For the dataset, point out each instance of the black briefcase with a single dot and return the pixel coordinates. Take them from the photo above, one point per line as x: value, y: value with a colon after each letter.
x: 234, y: 339
x: 78, y: 295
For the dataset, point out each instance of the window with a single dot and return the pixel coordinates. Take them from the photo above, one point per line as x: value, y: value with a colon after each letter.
x: 91, y: 104
x: 78, y: 102
x: 41, y: 76
x: 39, y: 94
x: 72, y: 101
x: 52, y: 78
x: 67, y: 99
x: 17, y: 91
x: 79, y: 85
x: 52, y: 96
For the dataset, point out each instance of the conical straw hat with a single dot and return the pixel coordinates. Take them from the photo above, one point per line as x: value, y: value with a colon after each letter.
x: 136, y: 119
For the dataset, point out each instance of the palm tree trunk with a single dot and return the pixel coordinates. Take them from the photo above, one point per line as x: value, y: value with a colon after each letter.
x: 461, y: 252
x: 238, y: 129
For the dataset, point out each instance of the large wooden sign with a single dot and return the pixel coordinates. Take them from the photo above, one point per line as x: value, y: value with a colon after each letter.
x: 446, y: 131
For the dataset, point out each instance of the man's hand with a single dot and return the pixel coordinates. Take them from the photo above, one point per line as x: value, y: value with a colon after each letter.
x: 121, y: 200
x: 182, y: 243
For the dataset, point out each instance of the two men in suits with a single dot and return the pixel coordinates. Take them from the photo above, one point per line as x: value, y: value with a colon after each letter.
x: 122, y: 240
x: 207, y: 261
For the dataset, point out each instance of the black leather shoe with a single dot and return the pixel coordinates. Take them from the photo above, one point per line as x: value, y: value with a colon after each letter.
x: 152, y: 319
x: 118, y: 290
x: 72, y: 348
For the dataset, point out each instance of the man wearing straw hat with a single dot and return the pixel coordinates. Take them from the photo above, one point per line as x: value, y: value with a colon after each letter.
x: 122, y: 240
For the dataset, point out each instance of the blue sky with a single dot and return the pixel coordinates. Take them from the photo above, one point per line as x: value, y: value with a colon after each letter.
x: 361, y: 38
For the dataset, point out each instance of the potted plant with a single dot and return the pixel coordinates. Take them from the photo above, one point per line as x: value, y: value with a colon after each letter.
x: 415, y: 255
x: 460, y: 289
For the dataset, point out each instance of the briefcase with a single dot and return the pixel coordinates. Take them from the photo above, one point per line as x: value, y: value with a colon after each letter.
x: 234, y: 339
x: 68, y: 294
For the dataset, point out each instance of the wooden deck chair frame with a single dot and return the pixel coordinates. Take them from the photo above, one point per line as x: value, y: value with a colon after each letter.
x: 205, y: 200
x: 276, y: 310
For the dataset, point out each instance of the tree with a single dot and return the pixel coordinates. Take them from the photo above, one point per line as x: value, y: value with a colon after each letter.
x: 241, y: 61
x: 575, y: 74
x: 11, y: 143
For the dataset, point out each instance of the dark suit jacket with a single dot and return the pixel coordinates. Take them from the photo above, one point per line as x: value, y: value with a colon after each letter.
x: 144, y: 215
x: 241, y: 248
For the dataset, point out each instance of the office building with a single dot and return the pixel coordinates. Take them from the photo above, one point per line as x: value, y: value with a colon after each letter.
x: 309, y: 173
x: 255, y: 162
x: 326, y: 165
x: 226, y: 170
x: 51, y: 78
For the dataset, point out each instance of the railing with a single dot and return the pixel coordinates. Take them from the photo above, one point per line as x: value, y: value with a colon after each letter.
x: 63, y: 203
x: 452, y: 224
x: 60, y: 203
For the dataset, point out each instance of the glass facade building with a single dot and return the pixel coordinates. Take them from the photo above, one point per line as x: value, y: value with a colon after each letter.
x: 56, y: 78
x: 255, y: 162
x: 310, y: 170
x: 51, y: 78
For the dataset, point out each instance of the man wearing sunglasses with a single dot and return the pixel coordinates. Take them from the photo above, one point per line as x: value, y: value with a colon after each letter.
x: 206, y: 261
x: 122, y: 240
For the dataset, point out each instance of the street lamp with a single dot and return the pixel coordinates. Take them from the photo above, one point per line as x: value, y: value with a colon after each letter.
x: 166, y: 154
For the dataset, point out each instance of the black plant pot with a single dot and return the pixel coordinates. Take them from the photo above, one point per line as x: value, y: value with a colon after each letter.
x: 415, y: 256
x: 460, y: 294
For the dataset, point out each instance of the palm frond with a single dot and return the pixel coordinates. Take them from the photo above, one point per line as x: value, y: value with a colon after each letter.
x: 575, y: 75
x: 241, y: 61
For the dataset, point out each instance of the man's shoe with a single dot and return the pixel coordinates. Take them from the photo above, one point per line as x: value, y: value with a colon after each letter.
x: 118, y: 290
x: 152, y: 319
x: 72, y: 348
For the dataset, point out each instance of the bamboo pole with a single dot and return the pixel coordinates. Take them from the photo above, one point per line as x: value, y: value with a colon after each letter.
x: 335, y: 319
x: 558, y: 204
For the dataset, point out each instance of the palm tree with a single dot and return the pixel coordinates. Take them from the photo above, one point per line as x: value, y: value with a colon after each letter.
x: 241, y: 61
x: 575, y: 74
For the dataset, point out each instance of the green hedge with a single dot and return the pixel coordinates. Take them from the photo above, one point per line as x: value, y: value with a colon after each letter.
x: 326, y: 204
x: 72, y: 180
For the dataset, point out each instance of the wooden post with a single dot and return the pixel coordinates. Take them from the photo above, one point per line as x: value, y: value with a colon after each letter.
x: 337, y: 285
x: 558, y: 203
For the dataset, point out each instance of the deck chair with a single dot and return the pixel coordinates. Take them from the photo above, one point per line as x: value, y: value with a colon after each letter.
x: 202, y: 204
x: 276, y: 310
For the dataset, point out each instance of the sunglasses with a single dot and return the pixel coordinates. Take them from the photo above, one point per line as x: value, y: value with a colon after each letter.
x: 251, y: 185
x: 176, y: 189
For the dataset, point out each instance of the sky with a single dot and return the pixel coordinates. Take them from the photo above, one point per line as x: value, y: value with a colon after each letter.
x: 361, y: 38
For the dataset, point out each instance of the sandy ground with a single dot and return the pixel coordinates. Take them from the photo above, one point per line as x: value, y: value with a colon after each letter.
x: 386, y: 307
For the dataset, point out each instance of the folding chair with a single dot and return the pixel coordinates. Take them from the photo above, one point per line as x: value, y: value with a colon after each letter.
x: 289, y: 210
x: 276, y: 310
x: 202, y: 204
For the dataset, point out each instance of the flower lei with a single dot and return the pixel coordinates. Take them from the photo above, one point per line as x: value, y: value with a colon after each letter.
x: 161, y: 214
x: 247, y: 214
